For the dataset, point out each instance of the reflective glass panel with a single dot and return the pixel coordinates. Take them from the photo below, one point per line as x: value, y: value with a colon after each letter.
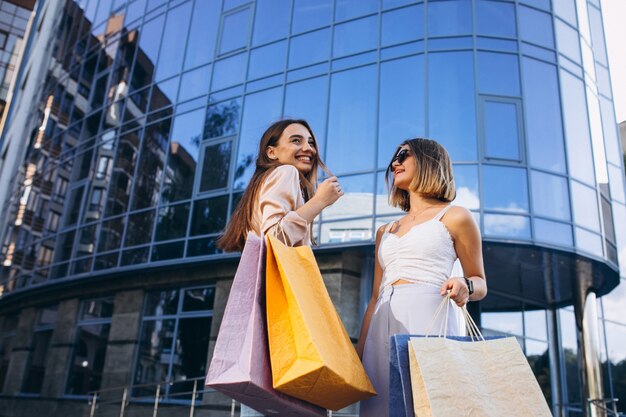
x: 505, y: 188
x: 597, y: 35
x: 195, y: 83
x: 347, y: 231
x: 568, y: 41
x: 167, y: 251
x: 203, y: 33
x: 309, y: 14
x: 503, y: 322
x: 259, y: 111
x: 174, y: 36
x: 451, y: 97
x: 498, y: 74
x: 616, y: 182
x: 610, y: 132
x: 228, y: 72
x: 495, y: 19
x: 222, y: 119
x: 267, y: 60
x: 148, y: 178
x: 139, y: 228
x: 122, y: 175
x: 542, y: 109
x: 164, y: 94
x: 502, y: 225
x: 357, y: 200
x: 382, y: 197
x: 501, y: 130
x: 585, y: 206
x: 466, y: 182
x: 566, y: 10
x: 161, y: 303
x: 87, y: 363
x: 150, y: 38
x: 348, y: 9
x: 570, y: 354
x: 553, y: 232
x: 355, y: 36
x: 576, y: 121
x: 199, y: 299
x: 447, y: 18
x: 271, y: 20
x: 535, y: 27
x: 202, y: 247
x: 209, y: 216
x: 235, y: 31
x: 352, y: 117
x: 589, y: 242
x: 110, y: 235
x: 189, y: 360
x: 155, y: 345
x: 401, y: 109
x: 550, y: 195
x: 309, y: 48
x: 403, y: 25
x: 172, y: 222
x: 308, y: 100
x: 215, y: 166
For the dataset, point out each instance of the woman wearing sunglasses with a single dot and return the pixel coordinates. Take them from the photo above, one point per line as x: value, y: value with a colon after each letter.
x: 414, y: 260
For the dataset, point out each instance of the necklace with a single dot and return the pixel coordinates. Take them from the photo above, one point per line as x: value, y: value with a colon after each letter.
x: 413, y: 216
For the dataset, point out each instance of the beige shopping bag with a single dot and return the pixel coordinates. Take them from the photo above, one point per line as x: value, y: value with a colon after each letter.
x: 473, y: 376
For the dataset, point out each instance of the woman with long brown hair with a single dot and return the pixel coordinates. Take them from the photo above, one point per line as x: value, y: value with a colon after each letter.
x: 283, y: 188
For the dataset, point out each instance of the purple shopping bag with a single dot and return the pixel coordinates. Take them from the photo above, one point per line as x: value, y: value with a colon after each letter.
x: 240, y: 367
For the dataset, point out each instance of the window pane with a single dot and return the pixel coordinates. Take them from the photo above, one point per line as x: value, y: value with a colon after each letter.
x: 585, y: 206
x: 550, y: 195
x: 150, y: 38
x: 202, y: 247
x: 616, y: 182
x: 505, y: 189
x: 235, y: 31
x: 161, y: 303
x: 88, y: 359
x: 33, y: 376
x: 503, y: 322
x: 139, y: 228
x: 577, y: 128
x: 535, y: 27
x: 110, y: 235
x: 495, y: 19
x: 348, y: 9
x: 209, y: 216
x: 610, y: 132
x: 589, y: 242
x: 449, y: 18
x: 174, y: 35
x: 403, y: 25
x: 148, y: 178
x: 382, y: 201
x: 203, y: 33
x: 308, y: 100
x: 451, y: 97
x: 167, y: 251
x: 352, y: 115
x: 597, y: 35
x: 260, y: 109
x: 401, y: 109
x: 309, y: 14
x: 355, y: 36
x: 498, y: 74
x: 123, y: 172
x: 222, y: 119
x: 542, y: 109
x: 566, y: 10
x: 189, y: 360
x: 271, y: 21
x: 507, y: 226
x: 228, y: 72
x: 553, y: 232
x: 199, y: 299
x: 466, y: 182
x: 347, y: 231
x: 215, y: 166
x: 357, y: 200
x: 568, y: 41
x: 195, y: 83
x: 501, y: 130
x: 183, y: 156
x: 309, y: 48
x: 155, y: 349
x: 172, y: 222
x: 268, y: 60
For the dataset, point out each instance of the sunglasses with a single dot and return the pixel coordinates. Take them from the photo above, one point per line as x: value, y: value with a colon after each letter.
x: 401, y: 156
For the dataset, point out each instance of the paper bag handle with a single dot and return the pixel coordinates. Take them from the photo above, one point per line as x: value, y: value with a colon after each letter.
x: 470, y: 324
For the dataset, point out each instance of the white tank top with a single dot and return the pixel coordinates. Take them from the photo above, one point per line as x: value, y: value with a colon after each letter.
x: 425, y: 254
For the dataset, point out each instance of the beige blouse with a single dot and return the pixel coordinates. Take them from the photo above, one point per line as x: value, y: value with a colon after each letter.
x: 279, y: 198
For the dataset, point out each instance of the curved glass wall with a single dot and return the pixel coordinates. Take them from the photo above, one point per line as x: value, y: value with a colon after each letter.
x: 148, y: 124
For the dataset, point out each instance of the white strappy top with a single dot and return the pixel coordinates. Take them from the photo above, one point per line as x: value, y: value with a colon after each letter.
x: 425, y: 254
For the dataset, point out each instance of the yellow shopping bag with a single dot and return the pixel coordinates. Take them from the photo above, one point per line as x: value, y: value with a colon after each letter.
x: 311, y: 354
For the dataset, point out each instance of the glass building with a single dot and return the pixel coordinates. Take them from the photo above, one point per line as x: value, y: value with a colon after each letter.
x: 134, y: 127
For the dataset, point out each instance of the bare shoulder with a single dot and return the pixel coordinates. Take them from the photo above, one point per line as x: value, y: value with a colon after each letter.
x: 459, y: 218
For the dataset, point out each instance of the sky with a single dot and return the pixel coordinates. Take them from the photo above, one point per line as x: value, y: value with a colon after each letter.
x: 614, y: 16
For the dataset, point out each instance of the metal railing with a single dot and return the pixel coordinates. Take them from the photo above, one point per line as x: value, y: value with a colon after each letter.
x: 122, y: 401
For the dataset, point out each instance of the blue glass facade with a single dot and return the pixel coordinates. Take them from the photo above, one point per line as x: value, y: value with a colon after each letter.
x: 146, y: 132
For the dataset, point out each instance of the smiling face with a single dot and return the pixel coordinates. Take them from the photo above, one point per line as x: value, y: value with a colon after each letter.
x: 296, y: 147
x: 404, y: 168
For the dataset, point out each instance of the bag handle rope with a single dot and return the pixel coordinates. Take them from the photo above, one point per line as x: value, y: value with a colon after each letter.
x: 472, y: 329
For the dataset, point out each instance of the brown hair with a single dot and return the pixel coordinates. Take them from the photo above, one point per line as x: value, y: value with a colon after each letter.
x: 234, y: 237
x: 434, y: 177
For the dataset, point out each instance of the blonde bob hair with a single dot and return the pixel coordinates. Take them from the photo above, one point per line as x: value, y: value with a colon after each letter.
x: 434, y: 177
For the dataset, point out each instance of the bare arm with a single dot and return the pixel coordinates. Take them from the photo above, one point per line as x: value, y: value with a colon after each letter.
x: 378, y: 275
x: 468, y: 246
